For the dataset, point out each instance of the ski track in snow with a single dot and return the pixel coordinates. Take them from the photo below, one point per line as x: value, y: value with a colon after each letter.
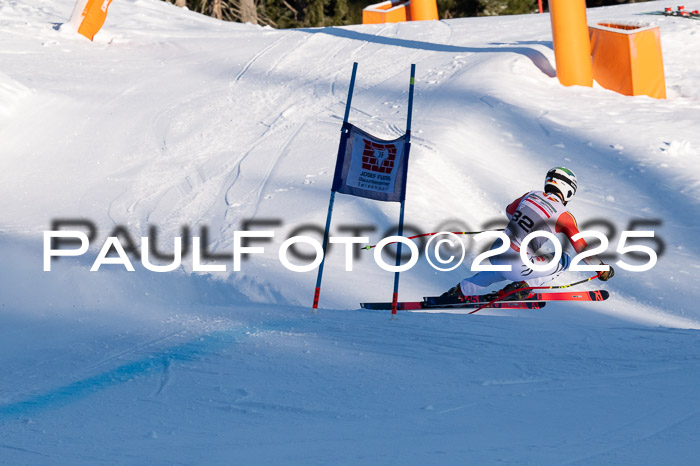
x: 257, y: 56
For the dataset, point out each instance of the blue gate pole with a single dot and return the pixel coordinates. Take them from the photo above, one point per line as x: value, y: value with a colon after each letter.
x: 319, y: 277
x: 407, y: 147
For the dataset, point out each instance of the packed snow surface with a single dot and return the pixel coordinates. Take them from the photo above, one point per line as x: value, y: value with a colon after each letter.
x: 176, y: 125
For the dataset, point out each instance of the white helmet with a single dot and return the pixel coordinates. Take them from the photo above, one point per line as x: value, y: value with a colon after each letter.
x: 563, y: 180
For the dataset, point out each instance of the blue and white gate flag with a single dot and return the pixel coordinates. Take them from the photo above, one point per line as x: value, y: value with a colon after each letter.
x: 371, y: 167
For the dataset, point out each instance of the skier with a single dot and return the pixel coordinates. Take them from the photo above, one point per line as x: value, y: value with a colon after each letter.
x: 535, y: 211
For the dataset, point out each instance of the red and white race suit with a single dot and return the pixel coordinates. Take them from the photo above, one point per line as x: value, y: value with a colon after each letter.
x: 534, y: 211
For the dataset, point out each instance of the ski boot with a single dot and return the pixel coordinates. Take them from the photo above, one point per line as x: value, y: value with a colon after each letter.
x: 454, y: 293
x: 518, y: 295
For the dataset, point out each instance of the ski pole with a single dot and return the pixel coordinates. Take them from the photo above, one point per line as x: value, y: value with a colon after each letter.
x: 505, y: 295
x: 368, y: 247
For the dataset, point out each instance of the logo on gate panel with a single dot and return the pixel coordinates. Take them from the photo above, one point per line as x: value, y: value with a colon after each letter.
x: 378, y: 158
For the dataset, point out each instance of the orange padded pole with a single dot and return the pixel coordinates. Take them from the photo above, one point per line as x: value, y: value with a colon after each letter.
x: 89, y: 16
x: 572, y: 45
x: 422, y: 10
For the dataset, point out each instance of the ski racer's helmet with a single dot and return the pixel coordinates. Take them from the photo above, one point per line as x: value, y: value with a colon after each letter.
x: 562, y: 180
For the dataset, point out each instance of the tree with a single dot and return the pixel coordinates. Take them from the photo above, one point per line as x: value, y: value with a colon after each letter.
x: 244, y: 11
x: 249, y: 12
x: 319, y: 13
x: 216, y: 9
x: 508, y: 7
x: 458, y: 8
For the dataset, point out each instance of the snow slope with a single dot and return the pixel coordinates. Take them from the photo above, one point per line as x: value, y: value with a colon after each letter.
x: 171, y: 120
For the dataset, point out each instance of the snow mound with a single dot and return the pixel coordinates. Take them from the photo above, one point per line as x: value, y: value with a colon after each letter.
x: 12, y: 93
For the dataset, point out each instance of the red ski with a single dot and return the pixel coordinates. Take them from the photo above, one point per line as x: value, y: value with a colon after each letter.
x: 534, y: 301
x: 596, y: 295
x: 418, y: 305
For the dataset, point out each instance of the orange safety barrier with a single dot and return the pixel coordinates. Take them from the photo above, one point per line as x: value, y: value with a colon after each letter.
x: 627, y: 59
x: 572, y: 46
x: 89, y: 16
x: 423, y: 10
x: 399, y: 10
x: 386, y: 12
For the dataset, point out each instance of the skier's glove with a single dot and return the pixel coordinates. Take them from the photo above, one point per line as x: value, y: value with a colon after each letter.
x: 607, y: 275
